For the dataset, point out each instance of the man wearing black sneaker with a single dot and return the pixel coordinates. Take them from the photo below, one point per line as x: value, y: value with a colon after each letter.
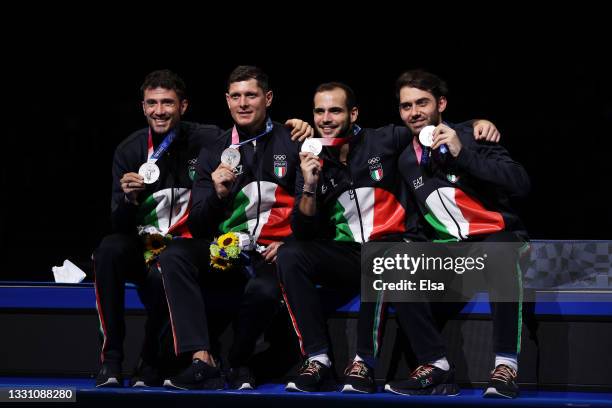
x: 348, y: 193
x: 465, y: 196
x: 146, y: 216
x: 254, y: 196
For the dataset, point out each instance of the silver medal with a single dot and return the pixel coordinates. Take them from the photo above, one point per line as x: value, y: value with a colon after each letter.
x: 149, y: 172
x: 313, y: 146
x: 230, y: 157
x: 426, y: 135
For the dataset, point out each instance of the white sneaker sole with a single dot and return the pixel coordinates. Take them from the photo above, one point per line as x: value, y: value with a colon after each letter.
x: 389, y: 389
x: 111, y: 381
x: 292, y: 387
x: 492, y: 392
x: 349, y: 388
x: 169, y: 384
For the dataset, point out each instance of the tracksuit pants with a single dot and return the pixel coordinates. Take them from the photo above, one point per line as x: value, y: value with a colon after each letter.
x: 117, y: 260
x: 191, y: 284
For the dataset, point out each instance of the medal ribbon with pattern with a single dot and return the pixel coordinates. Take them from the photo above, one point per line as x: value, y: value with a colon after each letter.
x: 149, y: 170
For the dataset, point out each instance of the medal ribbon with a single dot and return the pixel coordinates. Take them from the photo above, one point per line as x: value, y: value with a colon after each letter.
x: 422, y: 153
x: 339, y: 141
x: 236, y: 143
x: 154, y: 156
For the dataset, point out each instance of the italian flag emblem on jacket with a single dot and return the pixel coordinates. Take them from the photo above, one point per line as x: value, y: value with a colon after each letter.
x: 455, y: 215
x: 376, y: 170
x: 378, y: 214
x: 154, y: 213
x: 280, y: 168
x: 275, y: 205
x: 377, y: 174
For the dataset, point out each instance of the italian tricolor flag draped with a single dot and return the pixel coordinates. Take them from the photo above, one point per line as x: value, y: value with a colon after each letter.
x: 452, y: 208
x: 274, y: 213
x: 381, y: 214
x: 154, y: 213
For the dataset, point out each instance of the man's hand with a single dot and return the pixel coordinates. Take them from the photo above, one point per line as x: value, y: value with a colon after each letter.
x: 271, y: 250
x: 486, y: 130
x: 311, y: 167
x: 223, y: 178
x: 132, y: 184
x: 443, y: 134
x: 300, y: 130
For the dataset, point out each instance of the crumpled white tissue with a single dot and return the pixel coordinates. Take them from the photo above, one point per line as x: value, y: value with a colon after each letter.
x: 68, y: 273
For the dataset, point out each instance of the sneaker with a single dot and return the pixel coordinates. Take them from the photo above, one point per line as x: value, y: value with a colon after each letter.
x: 426, y: 380
x: 109, y: 375
x: 145, y: 375
x: 241, y: 378
x: 198, y: 376
x: 502, y: 383
x: 311, y: 377
x: 358, y: 377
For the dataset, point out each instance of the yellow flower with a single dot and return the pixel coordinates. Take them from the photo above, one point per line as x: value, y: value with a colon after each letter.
x: 154, y: 244
x: 219, y: 263
x: 227, y: 240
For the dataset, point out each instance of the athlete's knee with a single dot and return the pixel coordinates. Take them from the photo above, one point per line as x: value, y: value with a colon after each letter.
x: 114, y: 246
x: 289, y: 255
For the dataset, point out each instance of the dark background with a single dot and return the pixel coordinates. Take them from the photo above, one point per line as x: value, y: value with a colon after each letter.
x: 71, y: 98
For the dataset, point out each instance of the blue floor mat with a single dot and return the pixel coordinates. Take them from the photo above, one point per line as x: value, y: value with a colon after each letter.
x: 271, y: 395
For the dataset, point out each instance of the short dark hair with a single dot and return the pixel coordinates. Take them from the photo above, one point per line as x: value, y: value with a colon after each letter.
x: 247, y: 72
x: 423, y: 80
x: 351, y: 100
x: 164, y: 78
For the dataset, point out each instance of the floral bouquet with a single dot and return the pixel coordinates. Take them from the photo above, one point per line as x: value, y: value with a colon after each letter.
x: 226, y: 251
x: 154, y: 244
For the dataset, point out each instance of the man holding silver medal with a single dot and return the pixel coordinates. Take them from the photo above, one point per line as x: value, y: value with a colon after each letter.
x: 449, y: 163
x: 245, y: 185
x: 153, y: 171
x: 349, y: 192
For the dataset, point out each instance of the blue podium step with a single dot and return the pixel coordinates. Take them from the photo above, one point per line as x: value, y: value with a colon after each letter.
x: 49, y: 295
x: 53, y: 330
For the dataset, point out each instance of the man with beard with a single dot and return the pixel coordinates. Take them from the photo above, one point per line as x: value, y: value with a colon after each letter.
x: 152, y: 177
x: 465, y: 194
x: 153, y: 171
x: 349, y: 192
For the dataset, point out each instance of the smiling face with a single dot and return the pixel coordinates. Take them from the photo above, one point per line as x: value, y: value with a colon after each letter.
x: 331, y: 115
x: 248, y: 104
x: 163, y: 109
x: 419, y: 108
